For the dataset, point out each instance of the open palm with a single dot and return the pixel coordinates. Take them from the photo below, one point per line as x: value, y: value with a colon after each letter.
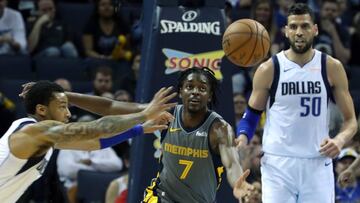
x: 242, y: 188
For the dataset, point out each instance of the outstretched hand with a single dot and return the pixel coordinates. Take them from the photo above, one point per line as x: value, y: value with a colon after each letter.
x: 159, y: 123
x: 242, y: 188
x: 159, y: 103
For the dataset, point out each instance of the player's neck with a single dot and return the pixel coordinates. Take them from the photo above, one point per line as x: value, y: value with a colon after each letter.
x: 191, y: 120
x: 36, y: 117
x: 300, y: 59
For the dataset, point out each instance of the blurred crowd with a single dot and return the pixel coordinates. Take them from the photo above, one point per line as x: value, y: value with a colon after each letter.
x: 110, y: 31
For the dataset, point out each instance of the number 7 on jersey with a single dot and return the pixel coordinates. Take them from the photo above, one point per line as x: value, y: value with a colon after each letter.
x: 188, y: 165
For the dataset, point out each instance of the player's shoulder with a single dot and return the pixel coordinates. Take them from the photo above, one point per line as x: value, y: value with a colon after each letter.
x: 267, y: 67
x: 332, y: 62
x: 40, y: 126
x: 220, y: 122
x: 220, y: 125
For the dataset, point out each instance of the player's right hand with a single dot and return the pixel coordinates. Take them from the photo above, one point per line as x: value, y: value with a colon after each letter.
x: 159, y: 103
x: 346, y: 178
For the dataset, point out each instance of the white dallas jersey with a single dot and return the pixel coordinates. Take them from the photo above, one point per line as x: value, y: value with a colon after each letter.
x: 16, y: 175
x: 297, y: 110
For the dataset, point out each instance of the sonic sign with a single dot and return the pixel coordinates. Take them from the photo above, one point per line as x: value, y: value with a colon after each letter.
x: 179, y: 61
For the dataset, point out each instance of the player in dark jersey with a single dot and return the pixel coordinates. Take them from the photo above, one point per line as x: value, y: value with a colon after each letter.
x: 195, y: 145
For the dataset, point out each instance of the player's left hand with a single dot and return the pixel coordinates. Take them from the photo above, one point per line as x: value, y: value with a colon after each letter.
x: 242, y: 188
x: 158, y: 123
x: 331, y: 147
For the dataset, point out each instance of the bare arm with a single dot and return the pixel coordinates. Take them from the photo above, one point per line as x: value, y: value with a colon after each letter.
x: 339, y: 82
x: 48, y: 133
x: 103, y: 106
x: 100, y: 128
x: 149, y: 127
x: 222, y: 136
x: 34, y: 36
x: 228, y: 154
x: 261, y: 87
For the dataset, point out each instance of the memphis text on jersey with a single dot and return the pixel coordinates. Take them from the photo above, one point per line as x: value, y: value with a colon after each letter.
x: 186, y: 151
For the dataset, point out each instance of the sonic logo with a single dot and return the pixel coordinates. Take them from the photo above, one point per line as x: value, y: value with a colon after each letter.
x: 179, y: 61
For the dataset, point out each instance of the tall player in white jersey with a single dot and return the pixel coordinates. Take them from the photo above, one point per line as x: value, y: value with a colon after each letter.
x: 295, y: 87
x: 27, y: 145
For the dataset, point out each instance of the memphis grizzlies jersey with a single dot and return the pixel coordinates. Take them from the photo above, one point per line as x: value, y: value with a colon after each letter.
x: 190, y: 172
x: 16, y: 175
x: 297, y: 109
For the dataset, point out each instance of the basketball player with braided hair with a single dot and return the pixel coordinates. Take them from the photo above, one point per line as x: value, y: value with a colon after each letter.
x: 295, y: 87
x: 195, y: 145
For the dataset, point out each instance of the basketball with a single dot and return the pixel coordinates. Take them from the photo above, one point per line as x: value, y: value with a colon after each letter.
x: 246, y: 42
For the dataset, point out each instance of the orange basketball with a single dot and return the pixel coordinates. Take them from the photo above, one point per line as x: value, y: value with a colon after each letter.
x: 246, y: 42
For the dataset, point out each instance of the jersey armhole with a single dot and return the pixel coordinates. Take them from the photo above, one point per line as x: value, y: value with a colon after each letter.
x: 275, y: 82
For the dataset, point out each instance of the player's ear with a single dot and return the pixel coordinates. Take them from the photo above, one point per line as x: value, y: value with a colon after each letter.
x: 41, y: 109
x: 316, y: 29
x: 286, y: 30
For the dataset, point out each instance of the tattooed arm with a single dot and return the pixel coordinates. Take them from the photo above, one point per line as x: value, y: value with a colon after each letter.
x: 42, y: 135
x: 36, y: 139
x: 102, y: 105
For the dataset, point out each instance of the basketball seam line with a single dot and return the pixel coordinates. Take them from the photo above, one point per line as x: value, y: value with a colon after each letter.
x: 230, y: 53
x: 253, y: 51
x: 249, y: 34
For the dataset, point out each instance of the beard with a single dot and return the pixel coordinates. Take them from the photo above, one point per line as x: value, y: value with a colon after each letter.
x: 303, y: 49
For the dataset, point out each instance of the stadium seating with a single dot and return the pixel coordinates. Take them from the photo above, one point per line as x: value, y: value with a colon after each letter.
x: 16, y: 67
x: 51, y: 68
x: 92, y: 185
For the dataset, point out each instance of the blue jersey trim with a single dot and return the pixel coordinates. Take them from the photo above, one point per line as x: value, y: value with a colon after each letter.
x: 325, y: 78
x: 275, y: 82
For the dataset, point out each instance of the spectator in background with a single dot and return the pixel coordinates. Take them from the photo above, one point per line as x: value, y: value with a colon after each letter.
x: 103, y: 80
x: 281, y: 12
x: 350, y: 193
x: 122, y: 95
x: 262, y: 11
x: 345, y: 14
x: 70, y: 162
x: 136, y: 66
x: 123, y: 149
x: 239, y: 106
x: 7, y: 113
x: 64, y: 83
x: 355, y: 41
x: 101, y: 37
x: 102, y: 84
x: 49, y: 36
x: 12, y: 30
x: 333, y: 38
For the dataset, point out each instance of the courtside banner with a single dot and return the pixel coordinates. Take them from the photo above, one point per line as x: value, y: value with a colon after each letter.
x: 178, y: 38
